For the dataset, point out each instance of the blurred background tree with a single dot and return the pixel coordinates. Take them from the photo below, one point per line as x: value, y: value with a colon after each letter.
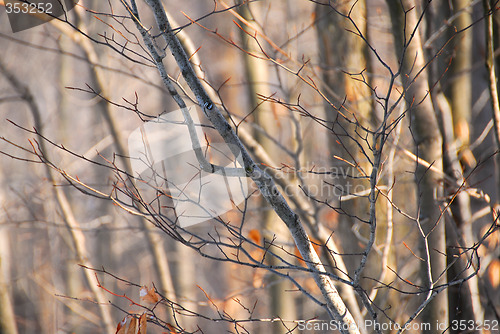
x: 375, y: 120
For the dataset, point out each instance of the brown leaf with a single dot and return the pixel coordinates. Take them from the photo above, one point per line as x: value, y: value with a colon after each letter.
x: 132, y: 326
x: 494, y: 273
x: 120, y: 329
x: 142, y: 324
x: 171, y: 329
x: 255, y: 236
x: 149, y: 296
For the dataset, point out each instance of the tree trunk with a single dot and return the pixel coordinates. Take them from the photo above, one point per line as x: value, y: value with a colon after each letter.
x: 428, y: 146
x: 343, y: 58
x: 495, y: 104
x: 333, y: 303
x: 461, y: 80
x: 7, y: 316
x: 77, y: 236
x: 453, y: 119
x: 282, y: 303
x: 464, y: 303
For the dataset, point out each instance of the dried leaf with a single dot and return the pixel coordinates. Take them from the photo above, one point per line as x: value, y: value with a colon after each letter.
x: 330, y: 217
x: 255, y: 236
x: 149, y: 296
x: 494, y: 273
x: 493, y: 239
x: 171, y: 329
x: 120, y: 329
x: 132, y: 326
x: 142, y: 324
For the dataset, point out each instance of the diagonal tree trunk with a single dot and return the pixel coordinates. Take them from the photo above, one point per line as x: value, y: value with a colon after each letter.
x: 334, y: 304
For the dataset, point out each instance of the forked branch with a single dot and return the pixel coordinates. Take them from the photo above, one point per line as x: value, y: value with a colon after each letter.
x: 335, y: 306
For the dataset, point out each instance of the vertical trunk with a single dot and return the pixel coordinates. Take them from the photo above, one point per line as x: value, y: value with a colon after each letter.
x: 428, y: 144
x: 153, y: 241
x: 343, y: 57
x: 77, y: 236
x: 282, y: 302
x: 72, y: 278
x: 7, y: 316
x: 461, y: 84
x: 464, y: 298
x: 453, y: 121
x: 183, y: 277
x: 183, y: 267
x: 492, y: 78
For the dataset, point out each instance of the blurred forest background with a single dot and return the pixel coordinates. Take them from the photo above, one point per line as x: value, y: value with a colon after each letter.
x: 321, y: 93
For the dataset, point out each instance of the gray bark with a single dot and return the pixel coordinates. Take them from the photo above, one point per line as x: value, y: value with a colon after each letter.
x: 264, y: 182
x: 428, y: 145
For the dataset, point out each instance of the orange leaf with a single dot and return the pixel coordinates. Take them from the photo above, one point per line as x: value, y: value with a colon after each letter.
x: 494, y: 273
x: 142, y: 324
x: 171, y: 329
x: 331, y: 216
x: 149, y: 296
x: 120, y: 329
x: 132, y: 326
x: 493, y: 239
x: 255, y: 236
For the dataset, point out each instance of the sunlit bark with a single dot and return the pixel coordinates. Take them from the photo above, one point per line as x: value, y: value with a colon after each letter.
x: 428, y: 146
